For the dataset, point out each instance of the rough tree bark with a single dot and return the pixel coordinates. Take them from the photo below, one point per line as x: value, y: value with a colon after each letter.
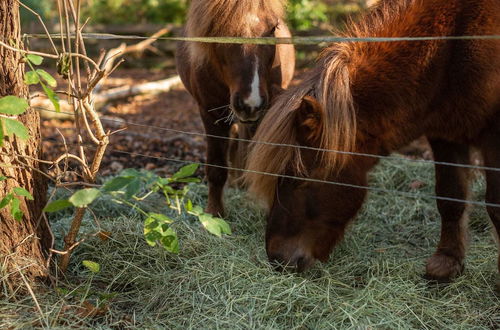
x: 22, y: 244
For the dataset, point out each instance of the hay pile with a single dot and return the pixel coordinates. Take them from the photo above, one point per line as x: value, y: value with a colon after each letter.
x: 374, y: 279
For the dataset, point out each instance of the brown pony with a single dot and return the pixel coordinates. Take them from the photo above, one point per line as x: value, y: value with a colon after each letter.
x: 374, y: 98
x: 245, y: 76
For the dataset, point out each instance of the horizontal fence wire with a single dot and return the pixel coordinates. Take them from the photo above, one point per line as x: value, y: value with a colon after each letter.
x: 310, y: 40
x: 341, y: 184
x: 392, y: 158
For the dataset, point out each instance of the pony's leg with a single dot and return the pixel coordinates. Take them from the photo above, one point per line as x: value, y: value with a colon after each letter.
x: 217, y: 149
x: 233, y: 155
x: 491, y: 155
x: 451, y: 182
x: 245, y: 132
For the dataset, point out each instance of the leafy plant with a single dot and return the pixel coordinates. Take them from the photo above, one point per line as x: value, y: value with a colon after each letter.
x: 132, y: 187
x: 12, y: 106
x: 136, y: 11
x: 42, y: 77
x: 13, y: 200
x: 305, y: 14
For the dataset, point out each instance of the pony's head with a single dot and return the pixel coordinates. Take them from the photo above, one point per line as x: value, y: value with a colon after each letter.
x: 245, y: 69
x: 308, y: 216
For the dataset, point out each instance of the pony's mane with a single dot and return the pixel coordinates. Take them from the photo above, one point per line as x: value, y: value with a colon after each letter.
x: 227, y: 18
x: 330, y: 83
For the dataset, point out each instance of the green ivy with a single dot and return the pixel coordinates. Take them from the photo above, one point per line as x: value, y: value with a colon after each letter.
x: 12, y: 106
x: 132, y: 187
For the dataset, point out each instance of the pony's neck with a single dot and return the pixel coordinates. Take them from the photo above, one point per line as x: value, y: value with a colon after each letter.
x: 393, y: 83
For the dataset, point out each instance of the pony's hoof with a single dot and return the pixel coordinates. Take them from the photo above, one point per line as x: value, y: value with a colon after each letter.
x: 443, y: 268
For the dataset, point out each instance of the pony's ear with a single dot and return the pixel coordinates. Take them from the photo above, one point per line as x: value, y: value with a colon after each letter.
x: 308, y: 121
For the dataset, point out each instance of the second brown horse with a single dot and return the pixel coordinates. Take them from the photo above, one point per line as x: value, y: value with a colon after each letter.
x: 233, y: 83
x: 374, y: 98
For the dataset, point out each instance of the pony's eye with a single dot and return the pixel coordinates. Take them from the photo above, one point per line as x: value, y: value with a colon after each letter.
x: 273, y: 30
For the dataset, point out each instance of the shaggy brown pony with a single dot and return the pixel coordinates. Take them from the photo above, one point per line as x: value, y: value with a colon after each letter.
x: 374, y: 98
x: 245, y: 76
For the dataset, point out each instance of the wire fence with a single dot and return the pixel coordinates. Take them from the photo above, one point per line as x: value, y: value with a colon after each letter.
x: 243, y: 170
x: 205, y: 135
x: 311, y: 40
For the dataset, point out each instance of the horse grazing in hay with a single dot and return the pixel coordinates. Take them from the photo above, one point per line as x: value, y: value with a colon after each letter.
x: 374, y: 98
x: 247, y: 77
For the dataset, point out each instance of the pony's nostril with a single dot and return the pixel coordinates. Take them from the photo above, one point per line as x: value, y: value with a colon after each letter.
x: 276, y: 258
x: 263, y: 106
x: 238, y: 103
x: 301, y: 263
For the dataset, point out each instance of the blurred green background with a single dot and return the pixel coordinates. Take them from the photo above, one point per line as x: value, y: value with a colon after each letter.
x: 302, y: 14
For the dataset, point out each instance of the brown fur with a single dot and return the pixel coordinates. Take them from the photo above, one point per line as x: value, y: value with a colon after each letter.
x: 374, y: 98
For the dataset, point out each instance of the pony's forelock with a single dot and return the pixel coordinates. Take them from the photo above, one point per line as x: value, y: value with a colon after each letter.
x: 267, y: 155
x: 226, y: 18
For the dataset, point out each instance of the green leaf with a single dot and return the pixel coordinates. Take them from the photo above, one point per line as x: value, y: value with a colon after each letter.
x: 117, y: 183
x: 47, y: 77
x: 133, y: 188
x: 156, y: 230
x: 6, y: 200
x: 3, y: 178
x: 151, y: 224
x: 160, y: 217
x: 210, y: 224
x: 34, y: 59
x: 196, y: 210
x: 189, y: 180
x: 17, y: 128
x: 170, y: 241
x: 21, y: 192
x: 94, y: 267
x: 224, y: 226
x: 52, y: 97
x: 13, y: 105
x: 167, y: 190
x: 15, y: 209
x: 152, y: 237
x: 84, y: 197
x: 189, y: 206
x: 57, y: 206
x: 214, y: 225
x: 31, y: 78
x: 130, y: 172
x: 185, y: 172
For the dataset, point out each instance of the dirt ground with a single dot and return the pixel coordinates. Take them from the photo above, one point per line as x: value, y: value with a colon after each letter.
x: 175, y: 109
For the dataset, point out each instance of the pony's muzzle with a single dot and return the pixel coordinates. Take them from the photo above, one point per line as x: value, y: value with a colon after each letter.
x: 249, y: 110
x: 298, y: 262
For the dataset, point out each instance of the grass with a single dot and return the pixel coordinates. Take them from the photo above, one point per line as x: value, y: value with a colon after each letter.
x: 373, y: 280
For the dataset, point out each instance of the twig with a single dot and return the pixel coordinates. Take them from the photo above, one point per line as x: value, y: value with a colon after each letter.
x: 43, y: 24
x: 30, y: 290
x: 27, y: 52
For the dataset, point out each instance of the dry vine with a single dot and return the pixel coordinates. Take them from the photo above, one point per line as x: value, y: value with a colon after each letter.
x: 71, y: 58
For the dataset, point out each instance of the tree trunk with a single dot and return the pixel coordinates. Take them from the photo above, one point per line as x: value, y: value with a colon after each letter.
x: 23, y: 244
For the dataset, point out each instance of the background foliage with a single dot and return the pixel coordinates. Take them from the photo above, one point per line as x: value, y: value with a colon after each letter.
x: 302, y: 14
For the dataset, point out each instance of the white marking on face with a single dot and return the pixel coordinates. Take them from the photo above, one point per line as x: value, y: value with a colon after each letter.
x: 254, y: 100
x: 253, y: 19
